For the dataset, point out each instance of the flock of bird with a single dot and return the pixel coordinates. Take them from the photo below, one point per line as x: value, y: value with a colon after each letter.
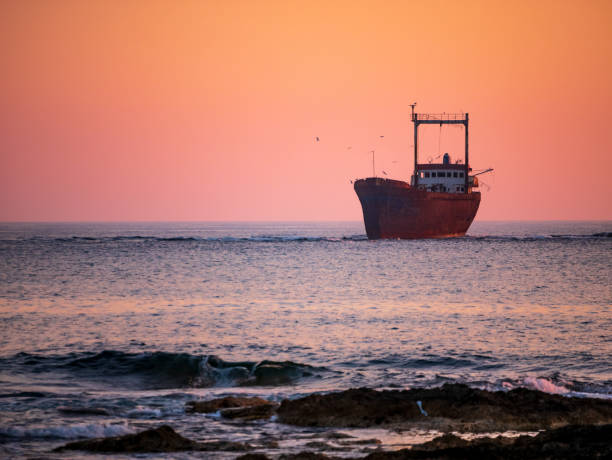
x: 318, y: 139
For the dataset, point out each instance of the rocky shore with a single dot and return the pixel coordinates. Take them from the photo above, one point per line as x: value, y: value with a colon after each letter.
x: 574, y: 427
x: 162, y: 439
x: 570, y: 442
x: 452, y: 407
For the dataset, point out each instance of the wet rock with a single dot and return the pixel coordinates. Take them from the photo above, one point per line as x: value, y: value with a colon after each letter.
x: 450, y: 407
x: 328, y: 435
x: 162, y: 439
x: 254, y: 456
x: 569, y: 442
x: 335, y: 435
x: 69, y: 410
x: 320, y: 445
x: 446, y: 441
x: 227, y: 446
x: 254, y: 412
x: 224, y: 403
x: 270, y: 444
x: 306, y: 456
x: 369, y: 450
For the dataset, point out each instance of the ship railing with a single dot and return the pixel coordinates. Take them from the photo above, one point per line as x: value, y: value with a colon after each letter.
x: 439, y: 116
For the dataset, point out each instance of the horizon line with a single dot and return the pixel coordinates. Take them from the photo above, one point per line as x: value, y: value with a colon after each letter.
x: 252, y: 221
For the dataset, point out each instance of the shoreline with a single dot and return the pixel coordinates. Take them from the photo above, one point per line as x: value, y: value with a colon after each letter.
x: 451, y: 411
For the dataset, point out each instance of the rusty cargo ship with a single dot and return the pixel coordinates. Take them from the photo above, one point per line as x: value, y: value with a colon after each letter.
x: 439, y: 202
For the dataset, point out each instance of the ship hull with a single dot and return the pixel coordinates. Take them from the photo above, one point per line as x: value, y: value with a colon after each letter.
x: 394, y: 209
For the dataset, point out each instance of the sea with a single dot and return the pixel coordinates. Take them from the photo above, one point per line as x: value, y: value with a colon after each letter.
x: 111, y: 328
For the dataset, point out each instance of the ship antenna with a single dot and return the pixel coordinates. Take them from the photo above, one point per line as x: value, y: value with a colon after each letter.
x: 412, y: 106
x: 373, y: 164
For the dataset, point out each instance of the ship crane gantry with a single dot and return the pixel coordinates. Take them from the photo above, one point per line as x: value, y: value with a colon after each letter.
x: 439, y: 119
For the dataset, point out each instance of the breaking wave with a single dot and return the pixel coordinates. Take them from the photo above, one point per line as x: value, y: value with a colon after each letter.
x: 545, y: 385
x: 557, y: 385
x: 81, y: 430
x: 166, y: 370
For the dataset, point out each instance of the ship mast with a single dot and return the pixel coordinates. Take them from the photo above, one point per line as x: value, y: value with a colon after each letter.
x: 439, y: 119
x: 416, y: 143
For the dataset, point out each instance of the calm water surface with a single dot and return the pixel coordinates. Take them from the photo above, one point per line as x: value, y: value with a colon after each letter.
x: 137, y: 319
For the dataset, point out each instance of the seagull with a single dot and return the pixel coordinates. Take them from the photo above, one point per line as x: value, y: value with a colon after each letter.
x: 317, y: 138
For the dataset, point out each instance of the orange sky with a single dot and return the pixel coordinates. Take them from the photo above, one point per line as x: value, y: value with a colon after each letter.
x: 195, y: 110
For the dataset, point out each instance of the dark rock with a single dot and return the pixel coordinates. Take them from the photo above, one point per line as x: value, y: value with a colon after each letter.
x: 228, y: 446
x: 369, y: 450
x: 253, y: 412
x: 82, y: 410
x: 162, y: 439
x: 306, y: 456
x: 317, y: 445
x: 270, y: 444
x: 320, y: 445
x: 224, y: 403
x: 253, y: 457
x: 443, y: 442
x: 450, y: 407
x: 329, y: 435
x: 335, y: 435
x: 569, y: 442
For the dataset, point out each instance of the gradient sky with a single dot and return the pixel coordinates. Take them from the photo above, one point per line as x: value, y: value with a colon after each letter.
x: 196, y: 110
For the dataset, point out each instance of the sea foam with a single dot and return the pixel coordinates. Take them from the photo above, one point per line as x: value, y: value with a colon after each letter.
x: 83, y: 430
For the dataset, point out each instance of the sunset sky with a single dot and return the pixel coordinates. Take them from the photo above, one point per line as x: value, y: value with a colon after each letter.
x: 208, y: 110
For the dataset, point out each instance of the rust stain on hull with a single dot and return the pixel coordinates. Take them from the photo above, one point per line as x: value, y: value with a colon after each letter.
x: 394, y: 209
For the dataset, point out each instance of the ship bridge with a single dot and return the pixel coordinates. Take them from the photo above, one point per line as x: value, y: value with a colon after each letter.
x: 442, y: 177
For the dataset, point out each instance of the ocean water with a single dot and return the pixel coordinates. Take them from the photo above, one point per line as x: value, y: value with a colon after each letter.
x: 132, y: 320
